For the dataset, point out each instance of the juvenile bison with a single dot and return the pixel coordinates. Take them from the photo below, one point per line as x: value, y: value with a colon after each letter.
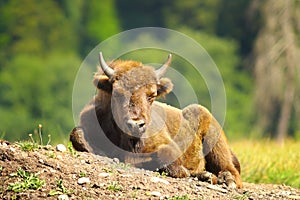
x: 123, y: 120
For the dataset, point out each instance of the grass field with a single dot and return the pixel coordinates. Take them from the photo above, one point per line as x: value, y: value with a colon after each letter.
x: 266, y: 161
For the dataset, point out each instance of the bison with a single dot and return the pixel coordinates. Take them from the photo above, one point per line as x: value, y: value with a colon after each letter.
x: 123, y: 120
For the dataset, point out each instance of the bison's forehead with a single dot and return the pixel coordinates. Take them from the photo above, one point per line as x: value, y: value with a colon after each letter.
x: 133, y: 76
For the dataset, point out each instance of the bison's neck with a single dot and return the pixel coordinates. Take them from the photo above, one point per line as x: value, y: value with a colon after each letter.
x: 103, y: 101
x: 131, y: 144
x: 105, y: 117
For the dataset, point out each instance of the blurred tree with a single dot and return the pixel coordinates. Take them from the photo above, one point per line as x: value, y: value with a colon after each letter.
x: 135, y: 13
x: 277, y: 50
x: 33, y: 27
x: 37, y: 90
x: 193, y: 14
x: 100, y: 21
x: 239, y: 20
x: 37, y: 68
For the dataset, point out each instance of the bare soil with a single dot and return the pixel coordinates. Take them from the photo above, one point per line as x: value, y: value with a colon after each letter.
x: 106, y: 178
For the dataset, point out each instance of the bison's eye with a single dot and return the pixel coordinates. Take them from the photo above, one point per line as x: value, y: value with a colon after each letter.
x: 151, y: 97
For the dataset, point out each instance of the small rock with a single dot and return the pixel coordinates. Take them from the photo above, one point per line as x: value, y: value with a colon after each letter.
x: 82, y: 161
x: 159, y: 180
x: 58, y: 166
x: 83, y: 180
x: 294, y: 197
x: 155, y: 193
x: 12, y: 149
x: 4, y: 143
x: 63, y: 197
x: 116, y: 160
x: 61, y: 148
x: 214, y: 187
x: 104, y: 174
x: 41, y: 161
x: 126, y: 175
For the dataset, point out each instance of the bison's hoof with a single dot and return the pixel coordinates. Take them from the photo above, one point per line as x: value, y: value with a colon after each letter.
x: 78, y: 141
x: 226, y: 177
x: 207, y: 177
x: 175, y: 171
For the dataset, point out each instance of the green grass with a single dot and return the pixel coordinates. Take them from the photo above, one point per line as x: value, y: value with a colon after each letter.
x: 29, y: 181
x: 27, y: 145
x: 114, y: 186
x: 185, y: 197
x: 266, y: 161
x: 60, y: 189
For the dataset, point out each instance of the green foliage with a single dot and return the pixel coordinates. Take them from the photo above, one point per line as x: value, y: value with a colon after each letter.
x: 32, y: 28
x: 108, y: 170
x: 185, y: 197
x: 101, y: 22
x: 114, y: 186
x: 82, y: 174
x: 60, y: 189
x: 242, y: 197
x: 46, y: 97
x: 71, y: 149
x: 29, y: 181
x: 27, y: 145
x: 193, y: 13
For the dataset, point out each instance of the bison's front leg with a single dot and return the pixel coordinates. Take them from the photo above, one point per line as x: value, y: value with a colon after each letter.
x: 219, y: 157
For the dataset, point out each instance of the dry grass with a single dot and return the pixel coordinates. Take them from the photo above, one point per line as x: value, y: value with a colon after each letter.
x: 268, y: 162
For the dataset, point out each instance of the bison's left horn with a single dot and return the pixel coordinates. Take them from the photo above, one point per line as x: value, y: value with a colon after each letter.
x: 106, y: 69
x: 162, y: 70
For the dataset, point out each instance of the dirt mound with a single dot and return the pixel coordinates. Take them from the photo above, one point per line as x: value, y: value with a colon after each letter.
x: 35, y: 172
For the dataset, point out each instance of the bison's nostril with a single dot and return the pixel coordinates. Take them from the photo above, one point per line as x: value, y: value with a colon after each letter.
x: 136, y: 124
x: 141, y: 124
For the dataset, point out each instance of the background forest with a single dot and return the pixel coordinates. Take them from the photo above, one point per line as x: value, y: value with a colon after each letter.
x: 255, y: 44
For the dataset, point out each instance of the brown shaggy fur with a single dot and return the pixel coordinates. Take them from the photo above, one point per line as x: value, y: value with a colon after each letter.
x: 185, y: 142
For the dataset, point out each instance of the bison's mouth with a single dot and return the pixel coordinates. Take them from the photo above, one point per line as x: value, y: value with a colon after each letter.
x: 136, y: 127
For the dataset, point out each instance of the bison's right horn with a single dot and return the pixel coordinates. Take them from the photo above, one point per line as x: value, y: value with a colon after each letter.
x: 106, y: 69
x: 162, y: 70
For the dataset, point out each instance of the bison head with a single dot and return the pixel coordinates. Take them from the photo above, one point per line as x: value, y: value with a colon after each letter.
x: 133, y: 87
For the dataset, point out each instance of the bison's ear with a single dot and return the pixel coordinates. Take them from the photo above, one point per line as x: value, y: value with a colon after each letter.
x: 102, y: 82
x: 164, y: 87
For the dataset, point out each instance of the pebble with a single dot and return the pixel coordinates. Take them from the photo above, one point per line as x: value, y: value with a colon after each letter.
x: 159, y: 180
x: 12, y: 149
x: 63, y: 197
x: 294, y: 197
x: 155, y: 193
x: 83, y: 180
x: 104, y: 174
x: 214, y: 187
x: 61, y: 148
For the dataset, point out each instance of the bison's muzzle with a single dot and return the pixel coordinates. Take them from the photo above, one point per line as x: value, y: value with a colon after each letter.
x: 136, y: 127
